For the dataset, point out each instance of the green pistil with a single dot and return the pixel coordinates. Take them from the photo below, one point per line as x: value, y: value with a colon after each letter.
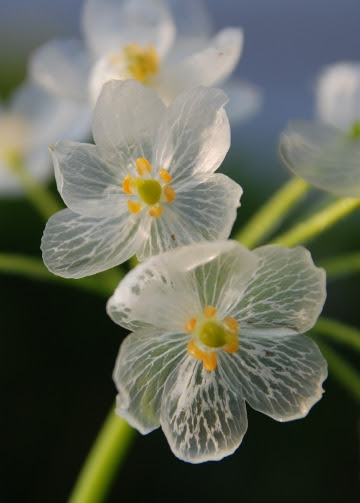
x: 149, y: 191
x: 212, y: 335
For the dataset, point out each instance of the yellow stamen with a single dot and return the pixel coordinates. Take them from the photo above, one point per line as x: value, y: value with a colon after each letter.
x: 208, y: 358
x: 141, y: 63
x: 127, y: 185
x: 232, y: 347
x: 143, y: 166
x: 210, y: 311
x: 155, y: 211
x: 169, y: 194
x: 232, y: 325
x: 165, y: 175
x: 134, y: 207
x: 190, y: 325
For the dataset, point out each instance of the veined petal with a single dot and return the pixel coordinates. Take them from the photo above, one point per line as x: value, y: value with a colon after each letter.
x: 144, y: 363
x: 88, y: 179
x: 245, y: 101
x: 126, y: 117
x: 208, y: 67
x: 281, y: 377
x: 286, y: 290
x: 74, y: 246
x: 194, y: 136
x: 142, y: 297
x: 203, y: 417
x: 204, y: 210
x: 109, y: 24
x: 323, y: 155
x: 62, y: 67
x: 338, y: 94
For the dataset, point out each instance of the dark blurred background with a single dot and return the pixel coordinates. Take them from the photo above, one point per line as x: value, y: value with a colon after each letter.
x: 59, y: 346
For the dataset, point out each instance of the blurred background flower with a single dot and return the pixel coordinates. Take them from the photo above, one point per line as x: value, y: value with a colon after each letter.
x: 59, y: 347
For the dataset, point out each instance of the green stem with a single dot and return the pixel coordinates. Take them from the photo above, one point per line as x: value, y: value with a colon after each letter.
x: 341, y: 265
x: 271, y: 213
x: 41, y: 198
x: 339, y: 332
x: 318, y: 223
x: 103, y: 461
x: 341, y: 370
x: 20, y: 265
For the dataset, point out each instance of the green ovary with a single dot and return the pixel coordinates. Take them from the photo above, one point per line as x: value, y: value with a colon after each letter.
x: 212, y: 335
x: 149, y: 191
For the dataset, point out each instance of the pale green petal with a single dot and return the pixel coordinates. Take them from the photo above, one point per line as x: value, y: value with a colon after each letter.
x: 194, y: 136
x: 126, y: 117
x: 285, y: 291
x: 62, y: 67
x: 89, y: 178
x: 245, y: 101
x: 109, y: 24
x: 204, y: 210
x: 74, y: 246
x: 338, y: 94
x: 208, y: 67
x: 323, y: 155
x: 281, y: 376
x: 162, y: 291
x: 144, y: 363
x: 202, y: 415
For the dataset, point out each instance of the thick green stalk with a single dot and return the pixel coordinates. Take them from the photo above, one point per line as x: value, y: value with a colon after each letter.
x: 272, y: 212
x: 103, y: 461
x: 341, y: 265
x: 339, y: 332
x: 318, y: 223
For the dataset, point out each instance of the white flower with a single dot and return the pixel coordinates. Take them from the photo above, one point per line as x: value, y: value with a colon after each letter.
x: 326, y: 152
x: 214, y: 326
x: 148, y: 184
x: 28, y: 123
x: 134, y: 39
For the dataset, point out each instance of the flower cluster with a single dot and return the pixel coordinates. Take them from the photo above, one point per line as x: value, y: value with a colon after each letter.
x: 214, y: 325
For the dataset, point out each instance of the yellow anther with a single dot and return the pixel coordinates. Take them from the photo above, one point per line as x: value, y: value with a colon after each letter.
x: 232, y: 347
x: 208, y: 358
x: 134, y: 207
x: 127, y: 185
x: 232, y: 325
x: 155, y: 211
x: 165, y: 175
x: 169, y: 194
x: 190, y: 325
x: 143, y: 166
x: 141, y: 63
x: 210, y: 311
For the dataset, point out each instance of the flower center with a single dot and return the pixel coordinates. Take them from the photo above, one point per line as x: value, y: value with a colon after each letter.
x: 210, y: 333
x: 354, y: 131
x: 139, y: 63
x: 145, y: 189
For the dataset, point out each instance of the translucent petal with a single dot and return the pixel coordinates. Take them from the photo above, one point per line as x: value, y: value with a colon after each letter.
x: 323, y: 155
x: 74, y: 246
x: 338, y: 94
x: 144, y: 363
x: 286, y: 290
x: 245, y: 101
x: 109, y: 24
x: 208, y: 67
x: 126, y: 117
x: 89, y: 178
x: 157, y: 293
x: 202, y: 415
x: 204, y: 210
x: 281, y: 377
x: 62, y: 67
x: 194, y: 136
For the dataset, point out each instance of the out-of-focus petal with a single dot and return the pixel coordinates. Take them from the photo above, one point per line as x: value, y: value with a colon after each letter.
x: 245, y: 101
x: 323, y: 155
